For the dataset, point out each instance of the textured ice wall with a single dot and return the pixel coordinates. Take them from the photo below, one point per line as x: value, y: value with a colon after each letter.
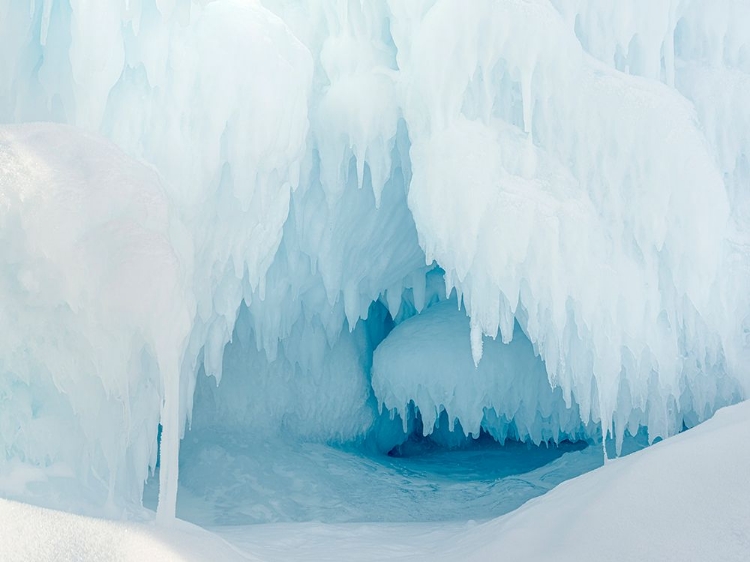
x: 215, y: 97
x: 598, y: 258
x: 703, y: 51
x: 580, y: 168
x: 308, y: 391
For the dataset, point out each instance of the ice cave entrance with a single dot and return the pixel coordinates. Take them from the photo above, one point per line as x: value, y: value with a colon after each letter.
x: 309, y: 436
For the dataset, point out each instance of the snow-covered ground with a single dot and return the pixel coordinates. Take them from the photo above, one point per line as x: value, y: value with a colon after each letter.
x: 683, y: 499
x: 35, y: 534
x: 236, y: 480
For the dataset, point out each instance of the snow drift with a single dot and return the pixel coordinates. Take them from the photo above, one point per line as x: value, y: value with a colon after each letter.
x: 573, y: 175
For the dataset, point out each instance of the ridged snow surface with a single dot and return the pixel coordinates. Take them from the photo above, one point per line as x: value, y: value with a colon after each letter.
x: 528, y: 217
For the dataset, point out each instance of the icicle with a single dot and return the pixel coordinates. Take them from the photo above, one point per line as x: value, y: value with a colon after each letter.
x: 46, y: 14
x: 170, y: 441
x: 527, y: 101
x: 476, y: 342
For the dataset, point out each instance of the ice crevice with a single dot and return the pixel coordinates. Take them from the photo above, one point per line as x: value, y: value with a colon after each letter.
x: 542, y: 237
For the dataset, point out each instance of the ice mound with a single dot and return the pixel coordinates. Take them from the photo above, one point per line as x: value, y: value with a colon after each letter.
x: 95, y: 312
x: 427, y: 361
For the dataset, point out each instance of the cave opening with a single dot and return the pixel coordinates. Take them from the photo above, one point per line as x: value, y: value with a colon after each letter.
x: 315, y: 432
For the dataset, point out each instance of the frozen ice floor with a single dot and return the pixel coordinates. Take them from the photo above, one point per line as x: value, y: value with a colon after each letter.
x: 683, y: 499
x: 227, y: 479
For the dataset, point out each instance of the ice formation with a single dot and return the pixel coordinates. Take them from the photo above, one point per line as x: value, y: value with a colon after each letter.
x: 426, y: 360
x: 321, y: 179
x: 94, y: 316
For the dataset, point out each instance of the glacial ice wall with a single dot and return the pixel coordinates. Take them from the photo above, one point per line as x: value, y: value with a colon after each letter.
x: 578, y: 171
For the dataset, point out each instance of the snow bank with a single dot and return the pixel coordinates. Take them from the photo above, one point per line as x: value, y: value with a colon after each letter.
x: 684, y: 498
x: 33, y: 533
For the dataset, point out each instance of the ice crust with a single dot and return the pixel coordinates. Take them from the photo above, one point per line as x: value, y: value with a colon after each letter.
x: 574, y: 174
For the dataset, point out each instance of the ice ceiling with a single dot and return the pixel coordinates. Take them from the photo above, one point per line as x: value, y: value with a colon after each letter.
x: 523, y: 217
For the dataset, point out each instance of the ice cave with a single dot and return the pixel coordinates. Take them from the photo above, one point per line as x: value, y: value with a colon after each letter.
x: 374, y: 280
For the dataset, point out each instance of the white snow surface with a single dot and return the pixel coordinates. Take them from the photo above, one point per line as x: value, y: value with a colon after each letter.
x: 299, y: 178
x: 690, y: 493
x: 44, y: 535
